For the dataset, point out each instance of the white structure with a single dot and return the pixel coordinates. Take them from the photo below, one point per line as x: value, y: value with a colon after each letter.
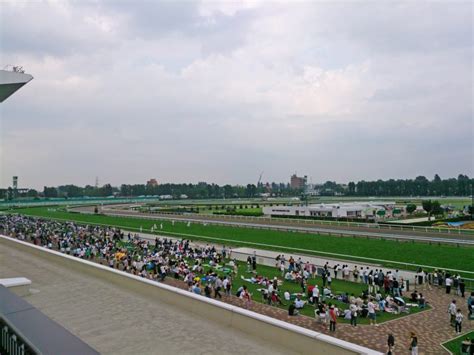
x: 335, y: 210
x: 11, y: 81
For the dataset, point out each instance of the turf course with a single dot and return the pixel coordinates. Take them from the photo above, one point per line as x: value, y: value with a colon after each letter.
x: 396, y: 253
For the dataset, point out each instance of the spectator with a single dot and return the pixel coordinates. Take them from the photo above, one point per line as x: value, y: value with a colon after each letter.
x: 458, y: 320
x: 332, y: 319
x: 413, y: 347
x: 390, y: 343
x: 452, y: 312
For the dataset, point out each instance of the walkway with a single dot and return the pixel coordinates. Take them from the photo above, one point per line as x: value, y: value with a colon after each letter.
x: 116, y: 320
x: 431, y: 326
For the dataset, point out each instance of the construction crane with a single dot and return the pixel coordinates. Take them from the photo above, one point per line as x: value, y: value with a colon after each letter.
x: 260, y: 179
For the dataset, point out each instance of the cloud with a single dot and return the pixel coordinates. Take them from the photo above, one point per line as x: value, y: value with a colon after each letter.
x: 192, y: 91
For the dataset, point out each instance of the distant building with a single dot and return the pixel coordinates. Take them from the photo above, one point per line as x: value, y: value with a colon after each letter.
x: 152, y: 182
x: 371, y: 210
x: 297, y: 182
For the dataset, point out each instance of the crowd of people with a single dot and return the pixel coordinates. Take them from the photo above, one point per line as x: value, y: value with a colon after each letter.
x: 212, y: 273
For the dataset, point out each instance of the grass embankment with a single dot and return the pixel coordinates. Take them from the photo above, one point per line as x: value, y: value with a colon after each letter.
x: 454, y: 346
x: 337, y: 287
x: 394, y: 253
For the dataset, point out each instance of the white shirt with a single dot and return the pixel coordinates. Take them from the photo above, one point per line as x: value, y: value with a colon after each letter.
x: 315, y: 292
x: 371, y: 307
x: 287, y: 295
x: 299, y: 303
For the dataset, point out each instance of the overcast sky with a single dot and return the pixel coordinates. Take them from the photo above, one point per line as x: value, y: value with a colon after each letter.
x: 219, y: 92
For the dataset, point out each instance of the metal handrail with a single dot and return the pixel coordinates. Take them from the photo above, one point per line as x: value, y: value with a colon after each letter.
x: 27, y: 348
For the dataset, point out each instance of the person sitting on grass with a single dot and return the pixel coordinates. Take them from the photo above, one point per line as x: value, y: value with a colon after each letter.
x: 299, y: 303
x: 421, y: 301
x: 327, y: 292
x: 292, y: 310
x: 275, y: 299
x: 239, y: 291
x: 287, y: 296
x: 196, y: 289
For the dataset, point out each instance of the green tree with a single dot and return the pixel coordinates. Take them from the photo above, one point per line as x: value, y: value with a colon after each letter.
x: 411, y: 208
x: 428, y: 207
x: 32, y: 193
x: 436, y: 208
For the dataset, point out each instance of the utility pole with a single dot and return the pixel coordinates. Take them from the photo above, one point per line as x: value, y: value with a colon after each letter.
x: 472, y: 201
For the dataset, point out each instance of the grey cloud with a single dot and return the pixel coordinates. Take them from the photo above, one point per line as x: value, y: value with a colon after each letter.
x: 167, y: 94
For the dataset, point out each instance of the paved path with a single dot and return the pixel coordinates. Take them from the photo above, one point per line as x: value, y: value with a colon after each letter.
x: 431, y: 326
x: 116, y: 320
x: 59, y: 286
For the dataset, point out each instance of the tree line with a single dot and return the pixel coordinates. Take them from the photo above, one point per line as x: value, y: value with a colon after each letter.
x: 420, y: 186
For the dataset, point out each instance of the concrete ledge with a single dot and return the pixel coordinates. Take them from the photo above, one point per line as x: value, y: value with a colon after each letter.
x: 287, y: 335
x: 18, y: 285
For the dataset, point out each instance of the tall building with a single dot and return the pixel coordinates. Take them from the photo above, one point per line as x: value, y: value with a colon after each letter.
x: 152, y: 182
x: 297, y: 182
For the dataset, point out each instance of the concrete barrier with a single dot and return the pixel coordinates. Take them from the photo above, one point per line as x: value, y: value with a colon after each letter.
x: 280, y: 333
x: 18, y: 285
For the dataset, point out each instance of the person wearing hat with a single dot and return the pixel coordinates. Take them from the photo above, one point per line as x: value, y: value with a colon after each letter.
x: 413, y: 344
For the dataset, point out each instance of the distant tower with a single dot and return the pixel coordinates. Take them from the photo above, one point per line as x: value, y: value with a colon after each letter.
x: 96, y: 182
x: 15, y: 183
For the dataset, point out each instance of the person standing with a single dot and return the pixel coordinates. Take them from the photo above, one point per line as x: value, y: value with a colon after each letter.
x: 458, y: 319
x: 332, y: 319
x: 218, y: 287
x: 371, y: 310
x: 355, y: 273
x: 448, y: 282
x: 353, y: 309
x: 462, y: 287
x: 452, y: 312
x: 413, y: 344
x: 254, y: 263
x: 390, y: 343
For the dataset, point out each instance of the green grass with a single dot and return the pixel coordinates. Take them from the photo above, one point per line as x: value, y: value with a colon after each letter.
x: 440, y: 256
x: 455, y: 345
x: 338, y: 286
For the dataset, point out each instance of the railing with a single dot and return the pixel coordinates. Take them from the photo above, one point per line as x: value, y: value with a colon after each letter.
x: 376, y: 226
x: 25, y: 330
x: 11, y: 342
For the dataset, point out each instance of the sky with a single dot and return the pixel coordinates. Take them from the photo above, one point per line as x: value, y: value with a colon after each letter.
x: 189, y: 91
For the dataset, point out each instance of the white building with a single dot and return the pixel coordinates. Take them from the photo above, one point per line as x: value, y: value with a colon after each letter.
x: 335, y: 210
